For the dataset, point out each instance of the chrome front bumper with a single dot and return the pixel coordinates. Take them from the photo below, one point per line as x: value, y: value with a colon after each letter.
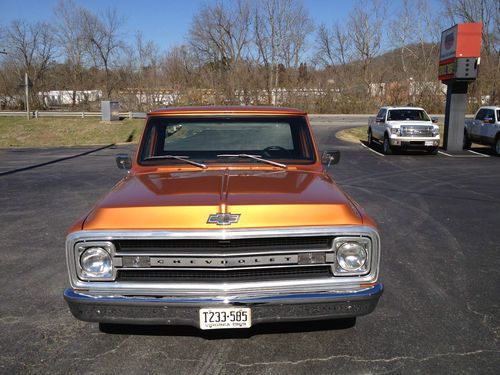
x: 179, y: 311
x: 414, y: 141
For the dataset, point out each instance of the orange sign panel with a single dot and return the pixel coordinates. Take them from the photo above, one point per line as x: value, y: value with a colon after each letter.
x: 460, y: 41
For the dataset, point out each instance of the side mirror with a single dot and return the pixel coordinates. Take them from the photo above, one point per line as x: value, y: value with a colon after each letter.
x: 123, y: 161
x: 434, y: 120
x: 379, y: 119
x: 488, y: 120
x: 330, y: 157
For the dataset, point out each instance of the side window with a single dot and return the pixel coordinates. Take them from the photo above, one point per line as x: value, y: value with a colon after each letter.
x: 381, y: 113
x: 480, y: 114
x: 490, y: 114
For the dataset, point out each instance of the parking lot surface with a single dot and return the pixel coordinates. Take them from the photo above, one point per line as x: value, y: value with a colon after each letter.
x: 439, y: 221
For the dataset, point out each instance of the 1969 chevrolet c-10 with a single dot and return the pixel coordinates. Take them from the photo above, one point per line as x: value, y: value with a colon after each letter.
x: 227, y: 218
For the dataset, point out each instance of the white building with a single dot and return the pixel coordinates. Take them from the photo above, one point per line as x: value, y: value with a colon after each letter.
x: 65, y: 97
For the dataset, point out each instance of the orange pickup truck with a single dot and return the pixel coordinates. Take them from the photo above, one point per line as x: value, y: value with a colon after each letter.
x: 227, y: 218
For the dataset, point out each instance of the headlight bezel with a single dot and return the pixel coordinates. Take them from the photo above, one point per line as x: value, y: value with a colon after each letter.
x: 367, y: 246
x: 82, y: 274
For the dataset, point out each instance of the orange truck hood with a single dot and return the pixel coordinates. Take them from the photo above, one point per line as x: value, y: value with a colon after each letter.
x: 185, y: 199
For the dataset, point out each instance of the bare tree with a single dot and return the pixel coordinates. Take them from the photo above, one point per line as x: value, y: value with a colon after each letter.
x: 417, y: 42
x: 280, y: 29
x: 365, y: 33
x: 220, y: 37
x: 31, y: 50
x: 220, y: 33
x: 71, y: 40
x: 103, y: 41
x: 143, y: 68
x: 332, y: 46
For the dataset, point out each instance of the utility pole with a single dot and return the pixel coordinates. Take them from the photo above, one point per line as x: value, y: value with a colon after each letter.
x: 26, y: 85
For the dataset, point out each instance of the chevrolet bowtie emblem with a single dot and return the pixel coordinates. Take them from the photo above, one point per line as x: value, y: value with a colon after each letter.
x: 223, y: 219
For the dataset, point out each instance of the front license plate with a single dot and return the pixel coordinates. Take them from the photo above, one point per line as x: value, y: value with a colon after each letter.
x: 228, y: 317
x: 429, y: 143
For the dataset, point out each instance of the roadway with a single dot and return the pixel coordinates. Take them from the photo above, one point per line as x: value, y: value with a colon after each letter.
x: 439, y: 221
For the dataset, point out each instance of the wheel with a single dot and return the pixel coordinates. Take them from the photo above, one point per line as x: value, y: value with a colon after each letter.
x: 386, y: 147
x: 433, y: 150
x: 467, y: 141
x: 496, y: 148
x: 370, y: 138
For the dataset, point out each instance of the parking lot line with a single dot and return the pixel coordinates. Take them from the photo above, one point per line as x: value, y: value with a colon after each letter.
x: 465, y: 156
x: 479, y: 153
x: 372, y: 150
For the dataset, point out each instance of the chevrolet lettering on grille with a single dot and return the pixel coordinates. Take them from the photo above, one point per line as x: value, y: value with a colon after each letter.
x: 223, y: 219
x: 224, y: 262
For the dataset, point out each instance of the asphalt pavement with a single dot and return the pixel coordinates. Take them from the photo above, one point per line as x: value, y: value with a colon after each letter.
x: 439, y: 221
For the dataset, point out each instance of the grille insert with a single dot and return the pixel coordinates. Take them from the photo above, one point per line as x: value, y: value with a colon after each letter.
x: 261, y: 274
x: 416, y: 131
x: 209, y: 245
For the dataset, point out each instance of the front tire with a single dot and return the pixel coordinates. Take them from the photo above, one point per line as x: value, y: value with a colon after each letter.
x: 370, y: 138
x: 386, y: 147
x: 496, y: 147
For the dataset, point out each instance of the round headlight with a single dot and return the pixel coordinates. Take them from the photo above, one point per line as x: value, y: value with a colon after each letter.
x: 96, y: 261
x: 351, y: 256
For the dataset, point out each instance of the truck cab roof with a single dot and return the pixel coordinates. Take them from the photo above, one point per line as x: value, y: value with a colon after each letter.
x: 493, y: 107
x: 401, y: 107
x: 227, y: 110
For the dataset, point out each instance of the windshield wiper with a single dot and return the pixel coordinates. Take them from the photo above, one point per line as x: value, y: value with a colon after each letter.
x: 254, y: 157
x: 182, y: 158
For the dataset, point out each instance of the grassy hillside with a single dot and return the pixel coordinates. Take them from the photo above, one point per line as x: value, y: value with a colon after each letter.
x: 50, y: 132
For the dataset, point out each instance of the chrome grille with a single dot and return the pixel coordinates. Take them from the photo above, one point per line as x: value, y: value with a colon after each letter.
x: 256, y: 245
x: 416, y: 131
x: 259, y: 274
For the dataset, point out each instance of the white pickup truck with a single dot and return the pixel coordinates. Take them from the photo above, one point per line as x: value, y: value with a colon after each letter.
x: 484, y: 129
x: 399, y: 128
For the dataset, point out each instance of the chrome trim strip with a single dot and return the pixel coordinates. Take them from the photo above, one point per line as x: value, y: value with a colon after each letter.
x: 220, y: 255
x: 197, y: 288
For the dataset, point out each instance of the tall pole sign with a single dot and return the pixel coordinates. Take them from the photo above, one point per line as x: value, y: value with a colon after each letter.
x: 459, y: 58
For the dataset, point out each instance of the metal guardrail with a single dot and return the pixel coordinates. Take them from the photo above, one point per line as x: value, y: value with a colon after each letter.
x: 37, y: 114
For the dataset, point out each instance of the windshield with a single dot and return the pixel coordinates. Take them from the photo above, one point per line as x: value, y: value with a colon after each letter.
x: 205, y: 139
x: 407, y: 115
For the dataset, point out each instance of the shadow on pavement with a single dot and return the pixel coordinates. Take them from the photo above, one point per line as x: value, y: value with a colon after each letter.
x: 54, y: 161
x: 397, y: 151
x: 260, y: 329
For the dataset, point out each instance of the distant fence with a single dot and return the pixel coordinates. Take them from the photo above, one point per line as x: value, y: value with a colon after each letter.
x: 37, y: 114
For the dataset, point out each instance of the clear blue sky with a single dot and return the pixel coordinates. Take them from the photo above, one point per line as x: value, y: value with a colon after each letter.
x: 166, y: 22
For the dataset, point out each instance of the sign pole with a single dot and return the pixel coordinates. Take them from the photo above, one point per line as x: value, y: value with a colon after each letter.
x: 26, y: 85
x: 456, y: 104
